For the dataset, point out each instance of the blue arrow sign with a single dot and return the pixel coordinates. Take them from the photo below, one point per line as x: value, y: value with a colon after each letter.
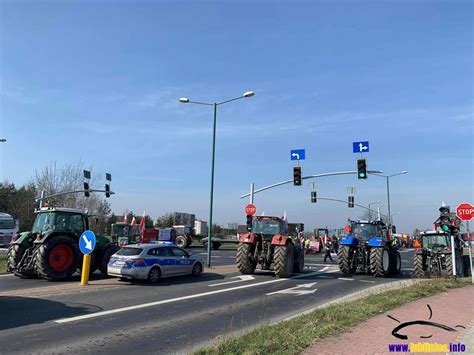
x: 297, y: 154
x: 360, y: 147
x: 87, y: 242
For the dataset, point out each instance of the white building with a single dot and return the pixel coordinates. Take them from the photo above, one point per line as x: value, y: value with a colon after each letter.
x: 200, y: 227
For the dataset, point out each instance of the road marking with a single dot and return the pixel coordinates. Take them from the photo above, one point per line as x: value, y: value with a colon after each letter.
x: 3, y: 275
x: 297, y: 290
x: 345, y: 279
x: 157, y: 303
x: 368, y: 281
x: 241, y: 278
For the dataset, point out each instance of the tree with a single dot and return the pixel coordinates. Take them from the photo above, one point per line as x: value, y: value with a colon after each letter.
x: 165, y: 221
x: 20, y: 203
x: 53, y: 179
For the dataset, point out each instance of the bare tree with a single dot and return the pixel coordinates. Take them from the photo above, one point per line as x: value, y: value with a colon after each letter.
x: 53, y: 179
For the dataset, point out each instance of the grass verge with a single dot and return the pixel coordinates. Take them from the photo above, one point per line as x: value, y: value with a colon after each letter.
x: 3, y: 264
x: 298, y: 333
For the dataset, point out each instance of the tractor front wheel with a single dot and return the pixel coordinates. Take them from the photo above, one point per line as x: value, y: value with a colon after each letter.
x: 245, y: 261
x: 58, y: 258
x: 420, y: 267
x: 105, y: 258
x: 284, y: 259
x: 14, y: 255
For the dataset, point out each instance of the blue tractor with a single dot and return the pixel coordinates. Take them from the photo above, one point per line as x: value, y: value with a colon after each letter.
x: 366, y: 248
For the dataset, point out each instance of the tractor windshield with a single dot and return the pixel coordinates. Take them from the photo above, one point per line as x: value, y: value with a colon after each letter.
x: 364, y: 231
x: 436, y: 241
x: 266, y: 227
x: 44, y: 222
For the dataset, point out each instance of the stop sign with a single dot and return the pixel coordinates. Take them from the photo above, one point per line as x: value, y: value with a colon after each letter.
x: 465, y: 211
x: 250, y: 209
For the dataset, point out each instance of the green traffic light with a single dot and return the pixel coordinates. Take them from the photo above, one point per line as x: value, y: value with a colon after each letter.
x: 445, y: 227
x: 361, y: 174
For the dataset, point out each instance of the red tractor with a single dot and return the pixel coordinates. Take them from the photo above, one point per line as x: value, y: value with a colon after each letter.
x: 267, y: 244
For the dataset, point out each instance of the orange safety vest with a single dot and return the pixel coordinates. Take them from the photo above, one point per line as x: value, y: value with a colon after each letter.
x: 417, y: 244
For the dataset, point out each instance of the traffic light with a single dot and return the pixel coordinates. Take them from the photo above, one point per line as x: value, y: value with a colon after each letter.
x: 445, y: 218
x: 297, y: 176
x: 249, y: 223
x: 361, y: 169
x: 313, y: 197
x: 107, y: 190
x: 350, y: 201
x: 86, y: 189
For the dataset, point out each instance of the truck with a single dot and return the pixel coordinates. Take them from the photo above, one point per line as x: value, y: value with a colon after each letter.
x: 8, y: 228
x: 268, y: 244
x: 124, y: 234
x: 368, y: 248
x: 433, y: 249
x: 51, y: 249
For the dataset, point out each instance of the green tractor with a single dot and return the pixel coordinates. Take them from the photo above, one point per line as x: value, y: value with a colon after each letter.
x: 51, y: 249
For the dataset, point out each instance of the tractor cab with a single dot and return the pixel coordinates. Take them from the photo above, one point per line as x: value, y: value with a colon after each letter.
x: 364, y: 230
x: 436, y: 241
x: 269, y: 226
x: 59, y: 220
x: 123, y: 233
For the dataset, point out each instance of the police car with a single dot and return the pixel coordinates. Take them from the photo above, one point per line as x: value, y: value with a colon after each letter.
x: 152, y: 262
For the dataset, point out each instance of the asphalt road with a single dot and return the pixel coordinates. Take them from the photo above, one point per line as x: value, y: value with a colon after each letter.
x: 177, y: 315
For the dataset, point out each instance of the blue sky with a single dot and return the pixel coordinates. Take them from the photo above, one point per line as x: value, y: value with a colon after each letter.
x: 99, y: 82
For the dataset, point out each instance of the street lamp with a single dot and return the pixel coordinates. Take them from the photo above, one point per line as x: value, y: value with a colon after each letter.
x: 185, y: 100
x: 389, y: 222
x: 370, y: 211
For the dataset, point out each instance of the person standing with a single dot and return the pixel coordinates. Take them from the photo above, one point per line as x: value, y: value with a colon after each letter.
x: 335, y: 244
x: 327, y: 250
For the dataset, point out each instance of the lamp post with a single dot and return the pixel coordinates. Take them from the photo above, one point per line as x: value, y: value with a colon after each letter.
x: 370, y: 211
x: 185, y: 100
x: 387, y: 177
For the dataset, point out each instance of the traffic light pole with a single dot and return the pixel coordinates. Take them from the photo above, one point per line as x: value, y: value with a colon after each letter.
x: 43, y: 197
x: 389, y: 221
x: 304, y: 178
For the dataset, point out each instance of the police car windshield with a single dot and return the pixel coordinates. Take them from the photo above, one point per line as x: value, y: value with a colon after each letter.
x: 127, y: 251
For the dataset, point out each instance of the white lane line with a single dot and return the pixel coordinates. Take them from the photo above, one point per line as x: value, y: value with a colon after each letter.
x: 4, y: 275
x: 240, y: 278
x: 368, y: 281
x: 345, y: 279
x: 157, y: 303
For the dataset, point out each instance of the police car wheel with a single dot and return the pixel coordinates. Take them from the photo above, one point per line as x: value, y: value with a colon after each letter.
x: 155, y: 275
x: 197, y: 269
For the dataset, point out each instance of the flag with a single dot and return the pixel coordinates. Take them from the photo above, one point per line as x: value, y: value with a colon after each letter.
x: 133, y: 221
x: 284, y: 216
x: 142, y: 223
x: 125, y: 220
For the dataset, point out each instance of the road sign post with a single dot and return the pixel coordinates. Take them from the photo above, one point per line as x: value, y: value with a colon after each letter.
x: 87, y: 242
x: 465, y: 212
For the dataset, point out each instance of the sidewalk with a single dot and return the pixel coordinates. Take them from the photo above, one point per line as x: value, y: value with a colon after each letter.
x: 451, y: 308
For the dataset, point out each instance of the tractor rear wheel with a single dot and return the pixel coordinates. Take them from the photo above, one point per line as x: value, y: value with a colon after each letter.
x: 182, y: 241
x: 299, y: 264
x: 14, y: 254
x: 344, y: 258
x: 105, y: 258
x: 245, y: 261
x: 420, y: 268
x: 57, y: 258
x: 284, y: 260
x: 380, y: 261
